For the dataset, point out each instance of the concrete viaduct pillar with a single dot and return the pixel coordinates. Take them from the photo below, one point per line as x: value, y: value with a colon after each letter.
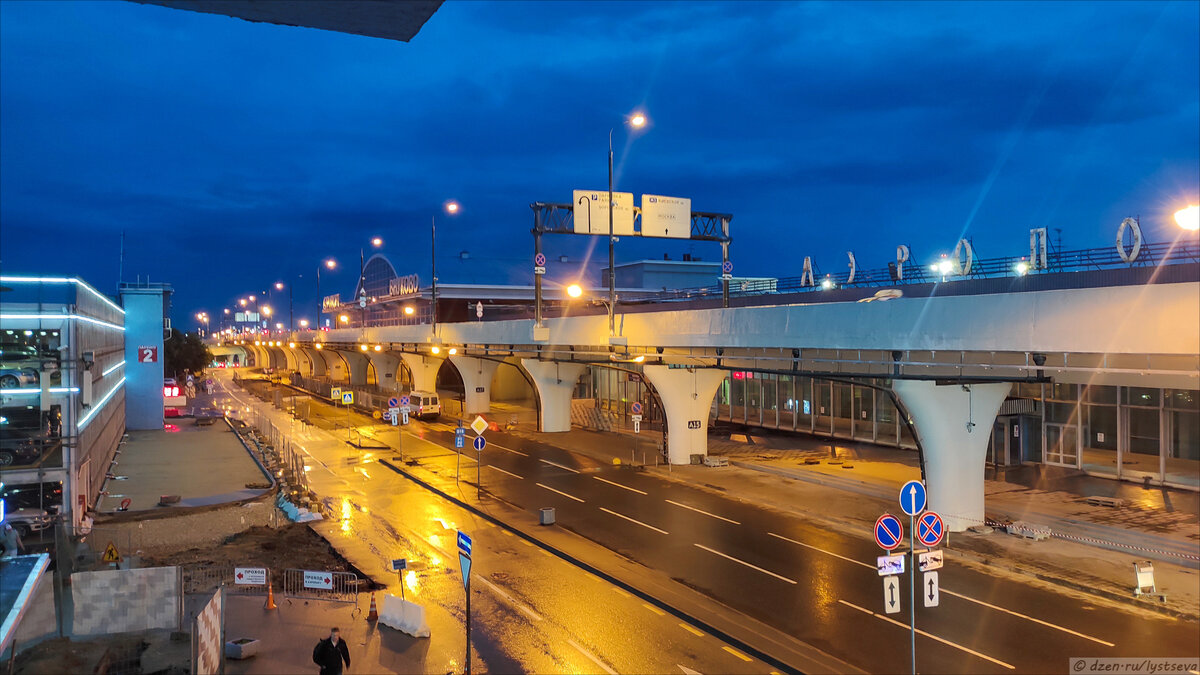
x: 335, y: 365
x: 387, y: 366
x: 357, y: 364
x: 687, y: 396
x: 953, y: 423
x: 424, y: 370
x: 554, y: 381
x: 303, y: 362
x: 315, y: 362
x: 477, y: 382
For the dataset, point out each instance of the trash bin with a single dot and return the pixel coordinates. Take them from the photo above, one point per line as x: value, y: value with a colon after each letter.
x: 547, y: 515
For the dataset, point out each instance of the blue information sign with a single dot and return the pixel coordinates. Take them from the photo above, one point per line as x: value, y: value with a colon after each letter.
x: 479, y: 443
x: 464, y: 542
x: 912, y: 497
x: 399, y: 564
x: 458, y: 440
x: 888, y: 531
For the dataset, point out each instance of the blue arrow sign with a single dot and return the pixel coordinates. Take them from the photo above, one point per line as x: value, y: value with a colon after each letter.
x: 464, y: 543
x: 912, y: 497
x: 888, y: 531
x: 930, y: 528
x: 479, y: 443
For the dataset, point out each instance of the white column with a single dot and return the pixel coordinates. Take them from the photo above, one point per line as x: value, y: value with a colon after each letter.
x: 953, y: 423
x: 554, y: 381
x: 687, y: 396
x: 386, y: 366
x: 477, y: 382
x: 424, y: 370
x: 357, y: 362
x: 317, y: 361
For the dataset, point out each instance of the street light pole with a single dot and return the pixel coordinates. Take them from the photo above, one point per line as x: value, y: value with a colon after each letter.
x: 433, y: 272
x: 612, y: 287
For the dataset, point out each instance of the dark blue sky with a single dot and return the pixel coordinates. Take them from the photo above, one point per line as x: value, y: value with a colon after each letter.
x: 236, y: 154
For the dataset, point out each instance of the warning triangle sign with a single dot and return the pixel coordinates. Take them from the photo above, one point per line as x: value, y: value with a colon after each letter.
x: 110, y: 554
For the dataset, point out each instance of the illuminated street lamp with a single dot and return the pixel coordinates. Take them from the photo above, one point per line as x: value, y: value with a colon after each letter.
x: 1188, y: 218
x: 574, y: 290
x: 304, y: 323
x: 344, y: 318
x: 329, y: 264
x: 377, y: 242
x: 451, y: 208
x: 408, y: 310
x: 637, y: 121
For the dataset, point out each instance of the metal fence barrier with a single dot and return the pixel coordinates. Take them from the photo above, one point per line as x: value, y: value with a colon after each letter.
x: 340, y: 587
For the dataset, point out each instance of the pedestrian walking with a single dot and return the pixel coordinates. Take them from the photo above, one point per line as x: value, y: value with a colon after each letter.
x: 330, y: 653
x: 10, y: 541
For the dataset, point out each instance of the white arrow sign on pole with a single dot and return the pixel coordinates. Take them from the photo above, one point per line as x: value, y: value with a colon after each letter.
x: 891, y: 594
x: 929, y: 589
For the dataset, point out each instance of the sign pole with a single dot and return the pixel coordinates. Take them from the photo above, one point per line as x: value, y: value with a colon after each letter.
x: 912, y: 595
x: 467, y: 671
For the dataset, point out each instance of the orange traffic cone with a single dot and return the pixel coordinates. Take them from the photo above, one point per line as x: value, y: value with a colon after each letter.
x: 270, y: 598
x: 373, y: 614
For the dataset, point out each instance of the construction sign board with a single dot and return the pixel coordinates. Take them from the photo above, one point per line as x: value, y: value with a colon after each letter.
x: 110, y: 554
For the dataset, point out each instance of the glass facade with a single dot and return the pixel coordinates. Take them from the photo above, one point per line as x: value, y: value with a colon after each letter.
x: 1128, y: 433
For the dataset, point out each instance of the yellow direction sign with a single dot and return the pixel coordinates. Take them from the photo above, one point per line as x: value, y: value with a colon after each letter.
x: 110, y: 554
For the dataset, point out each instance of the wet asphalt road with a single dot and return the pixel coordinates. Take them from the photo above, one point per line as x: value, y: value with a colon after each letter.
x: 816, y: 584
x: 532, y: 612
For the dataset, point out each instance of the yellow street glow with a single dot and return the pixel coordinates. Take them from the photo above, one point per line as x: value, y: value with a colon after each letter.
x: 377, y: 242
x: 408, y: 310
x: 331, y: 263
x: 1188, y: 218
x: 638, y: 120
x: 436, y: 350
x: 574, y: 290
x: 318, y: 345
x: 453, y: 351
x: 344, y: 318
x: 291, y: 345
x: 378, y: 348
x: 363, y: 347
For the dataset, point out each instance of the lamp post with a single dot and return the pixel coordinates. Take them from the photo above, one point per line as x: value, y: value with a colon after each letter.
x: 329, y: 264
x: 451, y: 208
x: 637, y: 121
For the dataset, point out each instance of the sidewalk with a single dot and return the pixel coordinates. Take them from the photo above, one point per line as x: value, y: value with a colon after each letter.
x: 850, y: 484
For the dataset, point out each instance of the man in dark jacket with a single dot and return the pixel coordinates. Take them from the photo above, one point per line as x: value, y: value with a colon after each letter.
x: 330, y: 653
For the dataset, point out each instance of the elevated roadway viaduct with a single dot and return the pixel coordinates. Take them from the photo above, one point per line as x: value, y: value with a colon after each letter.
x: 949, y: 361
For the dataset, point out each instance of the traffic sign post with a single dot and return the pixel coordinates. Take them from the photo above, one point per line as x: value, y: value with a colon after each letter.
x: 479, y: 445
x: 929, y: 589
x: 912, y: 501
x: 891, y: 594
x: 930, y: 529
x: 924, y: 526
x: 398, y: 566
x: 888, y: 532
x: 464, y: 564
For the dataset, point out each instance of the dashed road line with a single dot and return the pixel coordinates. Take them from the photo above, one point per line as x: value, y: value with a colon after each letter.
x: 496, y: 468
x: 957, y: 595
x: 559, y: 465
x: 622, y: 592
x: 520, y: 607
x: 515, y: 452
x: 604, y: 666
x: 710, y: 515
x: 736, y: 653
x: 560, y: 492
x: 623, y: 487
x: 929, y: 635
x: 691, y: 629
x: 654, y: 609
x: 651, y: 527
x: 743, y: 562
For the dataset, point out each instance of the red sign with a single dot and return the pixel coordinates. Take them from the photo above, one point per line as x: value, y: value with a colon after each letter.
x: 147, y: 354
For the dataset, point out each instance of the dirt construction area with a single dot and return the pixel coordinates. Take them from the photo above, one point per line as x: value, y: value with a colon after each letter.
x: 163, y: 652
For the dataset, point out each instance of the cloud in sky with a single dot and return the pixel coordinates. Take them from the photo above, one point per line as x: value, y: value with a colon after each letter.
x: 234, y: 154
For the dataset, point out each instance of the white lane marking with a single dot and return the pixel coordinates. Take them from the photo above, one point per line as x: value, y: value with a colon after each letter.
x: 515, y: 452
x: 560, y: 492
x: 957, y: 595
x: 710, y: 515
x: 604, y: 666
x: 560, y: 466
x: 929, y: 635
x: 633, y: 521
x: 623, y: 487
x: 687, y: 671
x: 490, y: 466
x: 496, y: 589
x: 1030, y: 618
x: 821, y: 550
x: 753, y: 567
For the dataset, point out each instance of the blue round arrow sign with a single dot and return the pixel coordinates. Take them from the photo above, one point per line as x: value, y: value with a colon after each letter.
x: 479, y: 443
x: 912, y: 498
x: 888, y: 531
x: 930, y: 528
